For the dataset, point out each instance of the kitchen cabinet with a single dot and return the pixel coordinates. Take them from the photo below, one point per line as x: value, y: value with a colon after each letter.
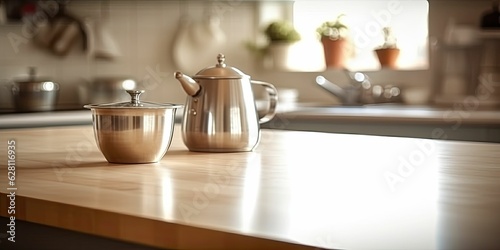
x: 296, y: 190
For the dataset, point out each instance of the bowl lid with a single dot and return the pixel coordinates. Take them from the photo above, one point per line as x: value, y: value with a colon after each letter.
x: 220, y: 70
x: 134, y: 103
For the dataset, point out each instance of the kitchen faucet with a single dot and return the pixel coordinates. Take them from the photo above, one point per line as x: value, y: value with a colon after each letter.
x: 350, y: 95
x: 360, y: 90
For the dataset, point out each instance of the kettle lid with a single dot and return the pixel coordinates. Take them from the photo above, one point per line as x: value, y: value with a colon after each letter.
x: 220, y: 70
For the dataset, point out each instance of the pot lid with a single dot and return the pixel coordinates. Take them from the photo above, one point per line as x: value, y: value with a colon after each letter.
x: 32, y: 78
x: 134, y: 103
x: 220, y: 70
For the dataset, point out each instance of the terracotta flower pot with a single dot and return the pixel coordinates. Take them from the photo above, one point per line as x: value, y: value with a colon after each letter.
x: 388, y: 57
x: 336, y: 52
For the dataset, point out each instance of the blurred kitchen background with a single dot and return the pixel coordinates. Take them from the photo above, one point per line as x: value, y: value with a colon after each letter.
x: 146, y: 42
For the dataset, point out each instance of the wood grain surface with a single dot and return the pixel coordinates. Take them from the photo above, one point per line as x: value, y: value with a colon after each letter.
x: 296, y: 190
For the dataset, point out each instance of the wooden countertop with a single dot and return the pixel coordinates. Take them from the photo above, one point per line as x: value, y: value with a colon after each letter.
x: 296, y: 190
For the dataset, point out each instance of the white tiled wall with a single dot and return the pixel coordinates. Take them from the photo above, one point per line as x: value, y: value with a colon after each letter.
x: 146, y: 30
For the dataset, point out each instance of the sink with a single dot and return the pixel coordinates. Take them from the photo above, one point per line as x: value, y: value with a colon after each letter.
x: 396, y: 106
x: 375, y: 109
x: 394, y: 120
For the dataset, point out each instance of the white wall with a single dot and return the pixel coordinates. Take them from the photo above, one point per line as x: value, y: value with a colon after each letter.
x: 146, y: 30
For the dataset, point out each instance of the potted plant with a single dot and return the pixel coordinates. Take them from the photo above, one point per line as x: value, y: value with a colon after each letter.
x: 388, y: 53
x: 333, y: 35
x: 280, y: 36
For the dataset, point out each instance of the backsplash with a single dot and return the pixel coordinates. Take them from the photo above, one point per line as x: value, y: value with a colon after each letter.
x: 146, y: 31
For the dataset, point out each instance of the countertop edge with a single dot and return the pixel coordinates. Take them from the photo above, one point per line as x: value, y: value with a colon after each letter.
x: 135, y: 229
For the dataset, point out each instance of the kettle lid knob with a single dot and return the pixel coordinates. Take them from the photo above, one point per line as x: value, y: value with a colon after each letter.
x: 220, y: 71
x: 221, y: 60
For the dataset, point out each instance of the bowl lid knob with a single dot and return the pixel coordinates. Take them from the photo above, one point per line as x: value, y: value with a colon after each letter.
x: 134, y: 103
x: 134, y: 95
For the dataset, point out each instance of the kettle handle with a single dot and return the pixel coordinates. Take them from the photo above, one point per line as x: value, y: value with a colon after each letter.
x: 273, y: 100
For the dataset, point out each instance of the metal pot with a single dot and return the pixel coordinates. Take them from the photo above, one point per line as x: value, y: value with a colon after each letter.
x: 135, y: 131
x: 31, y: 94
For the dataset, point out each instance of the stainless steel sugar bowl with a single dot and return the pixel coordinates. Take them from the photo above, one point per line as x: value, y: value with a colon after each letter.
x: 135, y: 131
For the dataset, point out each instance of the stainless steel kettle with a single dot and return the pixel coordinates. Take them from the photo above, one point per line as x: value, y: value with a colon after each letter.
x: 220, y: 113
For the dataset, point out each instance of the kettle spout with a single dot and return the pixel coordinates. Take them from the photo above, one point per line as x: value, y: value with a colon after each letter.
x: 190, y: 86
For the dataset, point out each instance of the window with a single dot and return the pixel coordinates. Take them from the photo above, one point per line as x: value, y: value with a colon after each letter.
x: 365, y: 19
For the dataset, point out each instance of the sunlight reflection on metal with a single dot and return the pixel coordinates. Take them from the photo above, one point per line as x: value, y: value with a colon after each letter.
x: 236, y: 114
x: 210, y: 123
x: 48, y: 86
x: 360, y: 77
x: 128, y: 84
